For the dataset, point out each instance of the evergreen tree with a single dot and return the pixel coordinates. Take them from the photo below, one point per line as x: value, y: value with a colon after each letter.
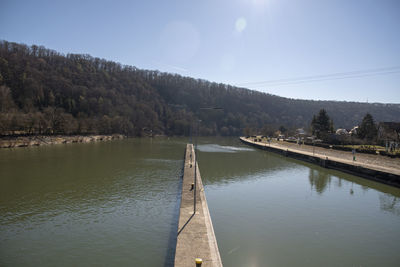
x: 321, y: 124
x: 367, y: 129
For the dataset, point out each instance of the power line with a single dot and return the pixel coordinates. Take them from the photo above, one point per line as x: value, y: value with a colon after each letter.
x: 329, y: 79
x: 333, y: 75
x: 326, y: 77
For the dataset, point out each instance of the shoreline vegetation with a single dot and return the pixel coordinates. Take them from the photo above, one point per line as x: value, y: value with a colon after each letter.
x: 40, y: 140
x: 46, y: 92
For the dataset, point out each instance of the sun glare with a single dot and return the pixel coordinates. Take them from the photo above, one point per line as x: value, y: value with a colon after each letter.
x: 241, y: 24
x: 259, y: 2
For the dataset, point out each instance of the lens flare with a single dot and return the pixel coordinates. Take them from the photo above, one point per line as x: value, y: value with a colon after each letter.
x: 241, y: 24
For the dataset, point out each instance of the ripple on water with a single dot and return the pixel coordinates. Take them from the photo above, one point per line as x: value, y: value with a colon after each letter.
x: 222, y: 149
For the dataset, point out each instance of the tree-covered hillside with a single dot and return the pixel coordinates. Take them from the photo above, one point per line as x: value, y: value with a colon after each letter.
x: 42, y: 91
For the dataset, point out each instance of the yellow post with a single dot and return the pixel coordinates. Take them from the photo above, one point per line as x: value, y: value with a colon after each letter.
x: 198, y: 261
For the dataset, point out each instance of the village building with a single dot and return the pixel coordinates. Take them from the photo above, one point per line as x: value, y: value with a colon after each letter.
x: 342, y: 132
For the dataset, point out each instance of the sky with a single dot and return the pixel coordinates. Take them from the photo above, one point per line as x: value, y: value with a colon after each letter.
x: 347, y: 50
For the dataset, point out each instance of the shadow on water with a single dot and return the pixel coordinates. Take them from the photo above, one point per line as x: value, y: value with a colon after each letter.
x: 122, y: 198
x: 170, y: 254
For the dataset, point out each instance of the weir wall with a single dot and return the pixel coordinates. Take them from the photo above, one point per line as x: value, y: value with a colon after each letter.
x: 196, y: 237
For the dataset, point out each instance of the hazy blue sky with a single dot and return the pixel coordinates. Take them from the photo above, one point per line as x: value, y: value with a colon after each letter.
x: 231, y: 41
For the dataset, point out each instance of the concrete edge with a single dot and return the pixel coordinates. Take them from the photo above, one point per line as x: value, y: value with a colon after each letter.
x: 212, y: 256
x: 210, y: 229
x: 380, y: 176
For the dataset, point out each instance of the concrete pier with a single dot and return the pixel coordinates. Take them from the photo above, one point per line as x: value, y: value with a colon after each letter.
x: 380, y: 174
x: 196, y: 238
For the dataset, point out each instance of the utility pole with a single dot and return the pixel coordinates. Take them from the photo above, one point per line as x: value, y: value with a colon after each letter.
x: 195, y: 158
x: 195, y: 168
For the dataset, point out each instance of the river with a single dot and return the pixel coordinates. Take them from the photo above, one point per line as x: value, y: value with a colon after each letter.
x: 116, y: 204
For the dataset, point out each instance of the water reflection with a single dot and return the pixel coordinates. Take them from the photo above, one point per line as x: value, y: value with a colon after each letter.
x: 265, y: 212
x: 319, y: 180
x: 249, y: 164
x: 115, y: 204
x: 390, y: 203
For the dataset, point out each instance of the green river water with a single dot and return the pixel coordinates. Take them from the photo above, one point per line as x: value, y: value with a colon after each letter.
x: 117, y: 204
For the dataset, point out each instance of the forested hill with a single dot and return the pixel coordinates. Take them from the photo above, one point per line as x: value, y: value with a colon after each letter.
x: 42, y: 91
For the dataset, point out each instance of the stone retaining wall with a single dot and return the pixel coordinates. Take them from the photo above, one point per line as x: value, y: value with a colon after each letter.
x: 54, y: 140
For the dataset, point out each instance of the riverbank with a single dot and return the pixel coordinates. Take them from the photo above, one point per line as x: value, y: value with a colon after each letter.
x: 374, y: 167
x: 40, y: 140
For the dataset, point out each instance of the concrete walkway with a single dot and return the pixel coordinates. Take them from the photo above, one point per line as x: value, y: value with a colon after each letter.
x: 336, y: 160
x: 339, y: 156
x: 196, y: 238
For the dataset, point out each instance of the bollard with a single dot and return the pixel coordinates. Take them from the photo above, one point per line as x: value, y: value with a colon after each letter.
x: 198, y: 262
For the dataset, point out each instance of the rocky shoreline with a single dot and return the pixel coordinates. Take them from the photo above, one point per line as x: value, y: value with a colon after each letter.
x: 40, y: 140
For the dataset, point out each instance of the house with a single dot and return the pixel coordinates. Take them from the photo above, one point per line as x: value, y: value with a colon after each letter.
x: 354, y: 130
x: 342, y: 132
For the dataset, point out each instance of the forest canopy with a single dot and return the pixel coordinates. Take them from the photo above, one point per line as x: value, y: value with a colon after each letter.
x: 45, y: 92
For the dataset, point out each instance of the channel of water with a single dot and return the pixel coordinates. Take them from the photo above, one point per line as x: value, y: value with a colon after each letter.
x: 116, y: 204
